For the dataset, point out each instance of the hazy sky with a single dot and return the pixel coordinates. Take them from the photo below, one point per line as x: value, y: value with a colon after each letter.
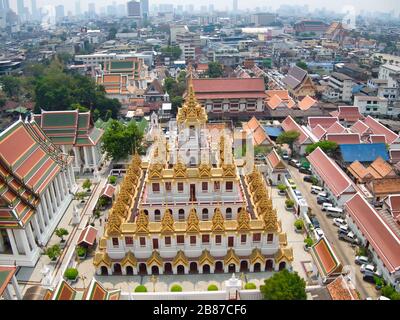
x: 338, y: 5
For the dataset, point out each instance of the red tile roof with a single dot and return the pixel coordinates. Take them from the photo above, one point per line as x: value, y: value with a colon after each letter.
x: 290, y: 125
x: 318, y: 131
x: 381, y: 237
x: 393, y: 202
x: 334, y: 177
x: 275, y: 160
x: 324, y: 122
x: 378, y: 128
x: 325, y: 258
x: 343, y: 138
x: 341, y: 289
x: 336, y: 128
x: 87, y: 236
x: 377, y: 138
x: 225, y: 85
x: 359, y: 127
x: 306, y: 103
x: 349, y: 113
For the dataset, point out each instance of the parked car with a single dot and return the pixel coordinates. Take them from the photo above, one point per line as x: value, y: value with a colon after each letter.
x: 323, y: 194
x: 339, y: 222
x: 334, y: 212
x: 319, y: 233
x: 315, y: 222
x: 349, y: 237
x: 321, y: 200
x: 367, y: 267
x: 316, y: 189
x: 298, y: 194
x: 294, y: 163
x: 326, y: 205
x: 308, y: 179
x: 305, y: 170
x: 285, y: 156
x: 369, y: 279
x: 259, y: 157
x: 343, y: 229
x: 292, y: 184
x: 360, y: 260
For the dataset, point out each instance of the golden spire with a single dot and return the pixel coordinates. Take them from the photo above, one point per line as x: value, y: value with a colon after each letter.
x: 271, y: 221
x: 180, y: 170
x: 243, y: 220
x: 113, y: 225
x: 192, y: 225
x: 218, y: 221
x: 167, y: 222
x: 142, y: 222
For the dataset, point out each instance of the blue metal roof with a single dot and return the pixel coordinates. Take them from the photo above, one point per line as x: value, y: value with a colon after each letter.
x: 363, y: 152
x: 273, y: 131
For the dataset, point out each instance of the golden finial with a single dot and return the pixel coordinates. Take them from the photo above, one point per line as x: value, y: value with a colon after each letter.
x: 192, y: 221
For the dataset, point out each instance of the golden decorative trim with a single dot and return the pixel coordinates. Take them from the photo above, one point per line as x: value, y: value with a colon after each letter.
x: 284, y: 254
x: 101, y: 258
x: 192, y: 225
x: 256, y: 256
x: 167, y: 223
x: 218, y: 221
x: 243, y: 220
x: 206, y: 257
x: 155, y: 257
x: 180, y: 170
x: 129, y: 259
x: 142, y: 222
x: 231, y: 257
x: 204, y: 170
x: 180, y: 258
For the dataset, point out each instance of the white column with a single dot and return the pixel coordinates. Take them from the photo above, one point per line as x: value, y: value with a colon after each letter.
x: 94, y: 155
x: 49, y: 205
x: 72, y: 176
x: 31, y: 238
x: 64, y: 183
x: 52, y: 199
x: 36, y: 227
x: 57, y: 191
x: 17, y: 290
x: 8, y: 294
x: 86, y: 155
x: 43, y: 213
x: 24, y: 239
x: 12, y: 242
x: 77, y: 157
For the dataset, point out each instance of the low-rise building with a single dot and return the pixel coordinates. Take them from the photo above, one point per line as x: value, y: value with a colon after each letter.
x: 339, y: 87
x: 299, y: 83
x: 74, y: 132
x: 335, y: 181
x: 37, y: 186
x: 376, y: 235
x: 276, y: 168
x: 372, y: 105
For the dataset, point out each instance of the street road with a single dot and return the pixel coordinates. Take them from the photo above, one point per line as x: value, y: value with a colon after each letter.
x: 343, y: 250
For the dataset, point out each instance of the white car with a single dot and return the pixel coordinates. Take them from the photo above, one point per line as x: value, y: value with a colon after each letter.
x: 319, y: 233
x: 360, y: 260
x: 367, y: 267
x: 339, y: 222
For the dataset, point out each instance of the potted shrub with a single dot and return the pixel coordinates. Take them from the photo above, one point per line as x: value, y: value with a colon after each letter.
x: 212, y: 287
x: 71, y: 274
x: 86, y: 185
x: 282, y: 189
x: 81, y: 252
x: 80, y: 196
x: 176, y: 288
x: 112, y: 179
x: 378, y: 283
x: 250, y: 286
x: 141, y: 288
x: 308, y: 242
x: 299, y: 225
x: 61, y: 232
x: 102, y: 202
x: 53, y: 252
x: 289, y: 204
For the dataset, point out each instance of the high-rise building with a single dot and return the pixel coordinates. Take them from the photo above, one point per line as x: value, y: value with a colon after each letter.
x: 20, y: 8
x: 133, y: 8
x: 34, y: 11
x: 59, y: 12
x: 235, y: 6
x: 77, y: 8
x: 92, y: 10
x: 211, y: 8
x: 144, y: 7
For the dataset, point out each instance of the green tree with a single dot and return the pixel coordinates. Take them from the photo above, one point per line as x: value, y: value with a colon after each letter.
x: 86, y: 184
x: 11, y: 86
x: 302, y: 65
x: 174, y: 52
x: 215, y: 70
x: 284, y: 285
x: 53, y: 252
x: 329, y: 147
x: 288, y: 137
x: 120, y: 140
x: 112, y: 32
x: 61, y: 232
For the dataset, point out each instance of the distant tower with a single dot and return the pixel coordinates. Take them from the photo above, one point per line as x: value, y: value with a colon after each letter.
x: 235, y: 6
x: 77, y: 8
x: 35, y: 15
x: 133, y: 9
x: 20, y: 8
x: 144, y: 8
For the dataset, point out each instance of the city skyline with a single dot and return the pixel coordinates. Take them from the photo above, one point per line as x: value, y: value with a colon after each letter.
x: 338, y: 6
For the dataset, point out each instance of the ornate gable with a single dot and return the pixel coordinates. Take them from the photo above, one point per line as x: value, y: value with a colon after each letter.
x: 180, y: 170
x: 218, y: 221
x: 142, y: 222
x: 167, y: 222
x: 180, y: 258
x: 204, y: 170
x: 155, y: 171
x: 231, y: 257
x: 129, y: 259
x: 192, y: 225
x: 155, y: 258
x: 243, y: 220
x: 206, y: 257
